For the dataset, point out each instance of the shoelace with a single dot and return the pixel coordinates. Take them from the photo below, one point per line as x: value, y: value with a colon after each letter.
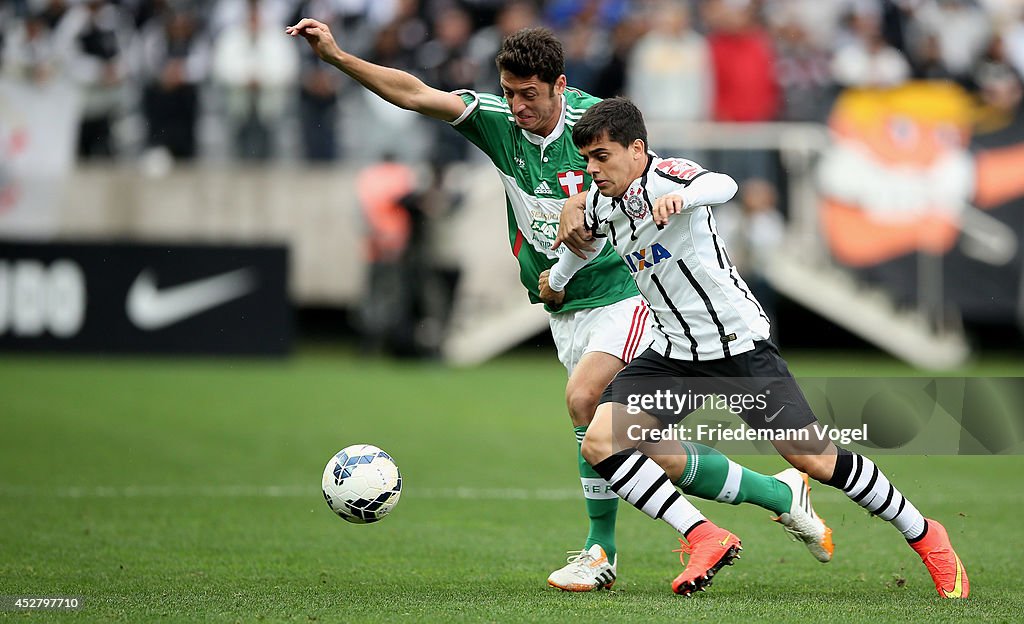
x: 793, y: 533
x: 578, y: 556
x: 684, y: 549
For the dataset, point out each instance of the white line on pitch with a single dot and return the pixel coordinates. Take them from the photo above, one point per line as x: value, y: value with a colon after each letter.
x: 273, y: 491
x: 411, y: 492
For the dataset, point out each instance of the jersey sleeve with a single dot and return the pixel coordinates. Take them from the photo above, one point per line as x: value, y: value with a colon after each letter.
x: 488, y: 123
x: 679, y: 170
x: 694, y: 184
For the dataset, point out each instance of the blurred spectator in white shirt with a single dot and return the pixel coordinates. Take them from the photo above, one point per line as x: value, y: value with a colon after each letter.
x: 225, y: 14
x: 97, y: 35
x: 1013, y: 40
x: 867, y: 60
x: 377, y: 127
x: 258, y: 70
x: 960, y: 28
x: 669, y: 69
x: 31, y: 51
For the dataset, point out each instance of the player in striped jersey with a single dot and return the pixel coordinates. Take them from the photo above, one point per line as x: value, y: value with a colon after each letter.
x: 602, y: 322
x: 656, y: 214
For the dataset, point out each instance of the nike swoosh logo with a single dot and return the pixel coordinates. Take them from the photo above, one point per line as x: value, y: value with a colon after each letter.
x: 958, y: 585
x: 150, y: 308
x: 768, y: 420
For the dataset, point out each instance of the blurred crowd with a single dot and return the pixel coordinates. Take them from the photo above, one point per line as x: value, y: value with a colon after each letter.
x: 195, y: 79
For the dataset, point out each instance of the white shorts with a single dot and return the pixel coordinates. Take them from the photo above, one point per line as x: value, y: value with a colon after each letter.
x: 621, y: 329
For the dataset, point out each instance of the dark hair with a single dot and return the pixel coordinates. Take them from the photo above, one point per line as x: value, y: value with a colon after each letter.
x: 617, y: 116
x: 532, y: 52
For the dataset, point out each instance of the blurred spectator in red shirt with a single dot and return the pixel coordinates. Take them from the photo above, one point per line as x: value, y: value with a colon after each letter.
x: 742, y: 62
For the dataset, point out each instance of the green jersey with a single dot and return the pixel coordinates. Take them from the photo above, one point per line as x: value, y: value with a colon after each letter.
x: 539, y: 174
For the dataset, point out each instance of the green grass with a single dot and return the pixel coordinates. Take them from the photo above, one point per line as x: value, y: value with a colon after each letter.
x: 141, y: 485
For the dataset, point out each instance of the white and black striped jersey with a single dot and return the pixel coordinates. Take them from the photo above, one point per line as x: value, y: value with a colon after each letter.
x: 701, y: 306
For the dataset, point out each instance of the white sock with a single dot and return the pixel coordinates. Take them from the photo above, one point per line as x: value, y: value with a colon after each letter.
x: 870, y: 489
x: 644, y: 484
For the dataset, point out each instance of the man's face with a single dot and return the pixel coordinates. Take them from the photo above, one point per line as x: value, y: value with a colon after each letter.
x: 537, y: 105
x: 613, y: 166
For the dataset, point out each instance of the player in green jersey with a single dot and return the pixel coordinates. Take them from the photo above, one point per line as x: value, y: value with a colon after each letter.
x: 602, y: 322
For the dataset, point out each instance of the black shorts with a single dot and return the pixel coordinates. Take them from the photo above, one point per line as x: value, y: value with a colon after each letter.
x: 756, y: 385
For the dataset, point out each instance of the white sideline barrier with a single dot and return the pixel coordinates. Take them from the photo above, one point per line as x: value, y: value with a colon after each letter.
x: 316, y: 213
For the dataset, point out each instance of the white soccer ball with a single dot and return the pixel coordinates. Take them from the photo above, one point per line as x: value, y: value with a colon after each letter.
x: 362, y: 483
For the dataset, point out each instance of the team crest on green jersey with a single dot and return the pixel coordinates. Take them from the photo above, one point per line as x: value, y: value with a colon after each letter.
x: 545, y: 225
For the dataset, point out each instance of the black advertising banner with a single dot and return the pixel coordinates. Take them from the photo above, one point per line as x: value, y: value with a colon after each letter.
x: 144, y: 298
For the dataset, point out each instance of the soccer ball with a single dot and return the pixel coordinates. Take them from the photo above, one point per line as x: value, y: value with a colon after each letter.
x: 362, y: 484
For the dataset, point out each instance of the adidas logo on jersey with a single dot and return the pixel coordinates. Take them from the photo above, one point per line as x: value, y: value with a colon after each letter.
x: 543, y: 189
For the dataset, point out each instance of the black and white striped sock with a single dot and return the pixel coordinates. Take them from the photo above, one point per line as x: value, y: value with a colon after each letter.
x: 865, y: 484
x: 636, y: 478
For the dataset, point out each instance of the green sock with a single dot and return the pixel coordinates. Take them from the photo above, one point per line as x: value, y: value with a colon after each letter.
x: 602, y: 503
x: 713, y: 476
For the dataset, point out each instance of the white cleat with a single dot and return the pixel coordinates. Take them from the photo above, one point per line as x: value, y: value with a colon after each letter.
x: 585, y: 570
x: 802, y: 522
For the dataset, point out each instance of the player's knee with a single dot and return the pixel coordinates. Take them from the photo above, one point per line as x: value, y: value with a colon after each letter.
x: 817, y: 467
x: 809, y: 454
x: 673, y: 464
x: 581, y: 400
x: 596, y: 447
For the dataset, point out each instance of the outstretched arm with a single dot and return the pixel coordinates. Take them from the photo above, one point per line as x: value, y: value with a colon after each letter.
x: 395, y: 86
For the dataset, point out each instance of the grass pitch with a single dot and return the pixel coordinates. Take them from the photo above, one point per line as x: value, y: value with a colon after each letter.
x: 189, y: 490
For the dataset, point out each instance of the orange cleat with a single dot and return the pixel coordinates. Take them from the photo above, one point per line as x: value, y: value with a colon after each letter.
x: 945, y: 567
x: 711, y: 548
